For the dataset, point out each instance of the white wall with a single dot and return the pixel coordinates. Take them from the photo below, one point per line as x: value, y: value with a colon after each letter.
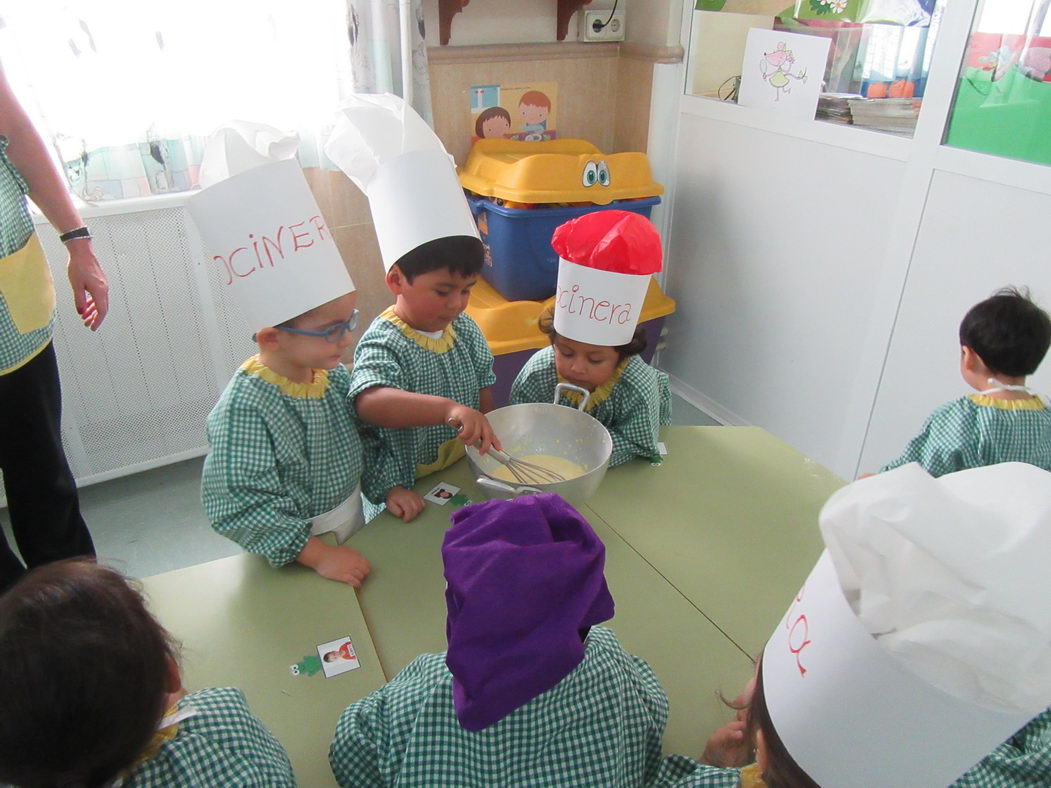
x: 773, y: 261
x: 821, y: 271
x: 977, y: 236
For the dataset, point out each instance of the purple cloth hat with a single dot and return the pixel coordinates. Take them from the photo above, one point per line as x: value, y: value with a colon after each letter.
x: 524, y: 577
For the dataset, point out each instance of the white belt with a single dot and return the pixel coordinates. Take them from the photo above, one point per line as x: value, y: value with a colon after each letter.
x: 344, y: 521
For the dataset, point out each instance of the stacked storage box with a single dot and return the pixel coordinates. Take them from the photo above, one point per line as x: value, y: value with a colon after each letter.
x: 520, y: 192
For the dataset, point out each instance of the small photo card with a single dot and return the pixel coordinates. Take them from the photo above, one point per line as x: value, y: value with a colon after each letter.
x: 783, y: 71
x: 442, y: 493
x: 337, y: 656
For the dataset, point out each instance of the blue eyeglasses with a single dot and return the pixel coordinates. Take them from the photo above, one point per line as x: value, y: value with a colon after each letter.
x: 333, y: 333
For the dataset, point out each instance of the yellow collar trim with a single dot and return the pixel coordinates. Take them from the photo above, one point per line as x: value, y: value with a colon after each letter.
x: 313, y: 390
x: 751, y: 777
x: 601, y: 394
x: 442, y: 344
x: 160, y: 737
x: 1030, y: 403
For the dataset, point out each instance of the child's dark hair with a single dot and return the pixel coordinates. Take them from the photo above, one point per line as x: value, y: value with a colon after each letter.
x: 84, y: 674
x: 1008, y: 331
x: 546, y: 322
x: 460, y: 254
x: 488, y: 114
x: 781, y: 769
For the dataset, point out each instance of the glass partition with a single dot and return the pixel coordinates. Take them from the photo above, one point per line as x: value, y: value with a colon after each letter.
x: 1003, y: 97
x: 878, y: 58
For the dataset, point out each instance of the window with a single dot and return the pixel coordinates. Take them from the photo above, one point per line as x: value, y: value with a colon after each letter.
x: 128, y: 91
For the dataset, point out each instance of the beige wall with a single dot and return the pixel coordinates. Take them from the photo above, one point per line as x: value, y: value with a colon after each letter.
x: 587, y: 90
x: 602, y: 97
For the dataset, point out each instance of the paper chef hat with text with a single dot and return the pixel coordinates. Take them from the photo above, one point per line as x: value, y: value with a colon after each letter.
x: 390, y: 152
x: 606, y: 262
x: 922, y: 638
x: 263, y: 228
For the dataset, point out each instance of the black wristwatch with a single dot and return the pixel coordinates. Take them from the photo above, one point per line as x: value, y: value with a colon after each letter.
x: 72, y: 235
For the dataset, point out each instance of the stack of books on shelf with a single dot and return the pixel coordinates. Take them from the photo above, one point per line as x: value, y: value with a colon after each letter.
x: 896, y: 115
x: 835, y: 107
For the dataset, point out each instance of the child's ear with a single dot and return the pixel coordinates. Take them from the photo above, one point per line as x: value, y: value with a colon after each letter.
x: 971, y: 361
x: 395, y: 280
x: 174, y: 676
x: 267, y: 338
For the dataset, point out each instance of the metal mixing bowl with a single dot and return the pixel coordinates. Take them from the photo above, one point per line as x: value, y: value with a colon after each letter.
x: 539, y: 428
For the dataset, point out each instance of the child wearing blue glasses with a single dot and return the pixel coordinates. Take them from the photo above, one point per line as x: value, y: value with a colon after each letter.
x: 285, y: 463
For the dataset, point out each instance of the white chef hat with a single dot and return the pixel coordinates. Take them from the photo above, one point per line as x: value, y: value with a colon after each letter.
x: 263, y: 228
x: 390, y: 152
x: 922, y: 638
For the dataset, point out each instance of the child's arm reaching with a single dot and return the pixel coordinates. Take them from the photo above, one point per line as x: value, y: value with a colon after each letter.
x: 390, y: 407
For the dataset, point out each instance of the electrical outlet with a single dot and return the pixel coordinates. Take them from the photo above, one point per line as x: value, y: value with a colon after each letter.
x: 594, y: 26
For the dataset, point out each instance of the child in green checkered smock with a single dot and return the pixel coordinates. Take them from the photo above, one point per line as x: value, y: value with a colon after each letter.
x: 285, y: 462
x: 632, y: 403
x: 422, y: 371
x: 1023, y: 761
x: 1003, y: 340
x: 531, y: 690
x: 606, y: 263
x: 93, y: 694
x: 600, y: 726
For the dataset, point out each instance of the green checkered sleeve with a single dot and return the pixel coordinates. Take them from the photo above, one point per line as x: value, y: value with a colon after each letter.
x: 638, y: 406
x: 386, y: 357
x: 478, y: 348
x: 677, y: 771
x: 16, y: 224
x: 223, y: 743
x: 600, y: 726
x: 939, y: 445
x: 969, y: 434
x: 241, y: 487
x: 1023, y: 761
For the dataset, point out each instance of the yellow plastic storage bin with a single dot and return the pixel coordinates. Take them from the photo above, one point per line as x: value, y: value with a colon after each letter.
x: 519, y: 192
x: 555, y: 171
x: 510, y: 328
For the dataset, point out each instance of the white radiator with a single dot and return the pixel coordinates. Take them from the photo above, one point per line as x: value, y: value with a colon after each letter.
x: 136, y: 392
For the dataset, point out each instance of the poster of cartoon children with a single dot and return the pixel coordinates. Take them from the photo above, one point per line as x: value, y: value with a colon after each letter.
x: 517, y: 112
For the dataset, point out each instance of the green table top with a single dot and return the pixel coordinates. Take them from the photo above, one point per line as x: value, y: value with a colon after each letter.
x: 729, y: 519
x: 243, y: 624
x: 404, y: 604
x: 703, y: 554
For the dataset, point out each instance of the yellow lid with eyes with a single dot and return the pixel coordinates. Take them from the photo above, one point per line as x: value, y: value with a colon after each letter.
x: 556, y: 171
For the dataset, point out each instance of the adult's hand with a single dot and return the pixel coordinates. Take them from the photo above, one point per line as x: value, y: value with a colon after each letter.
x: 90, y: 289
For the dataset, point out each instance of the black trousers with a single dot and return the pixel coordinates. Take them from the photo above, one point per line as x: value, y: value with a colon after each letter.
x: 41, y: 494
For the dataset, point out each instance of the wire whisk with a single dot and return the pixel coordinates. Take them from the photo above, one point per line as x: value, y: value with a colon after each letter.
x: 526, y: 472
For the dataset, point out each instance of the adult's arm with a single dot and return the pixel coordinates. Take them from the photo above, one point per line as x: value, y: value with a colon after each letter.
x: 48, y: 190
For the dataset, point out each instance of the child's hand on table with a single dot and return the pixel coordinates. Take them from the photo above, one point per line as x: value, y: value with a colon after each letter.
x: 341, y: 563
x: 474, y: 427
x: 404, y: 503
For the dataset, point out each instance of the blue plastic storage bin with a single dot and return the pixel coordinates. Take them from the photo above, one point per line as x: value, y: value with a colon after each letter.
x: 519, y: 261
